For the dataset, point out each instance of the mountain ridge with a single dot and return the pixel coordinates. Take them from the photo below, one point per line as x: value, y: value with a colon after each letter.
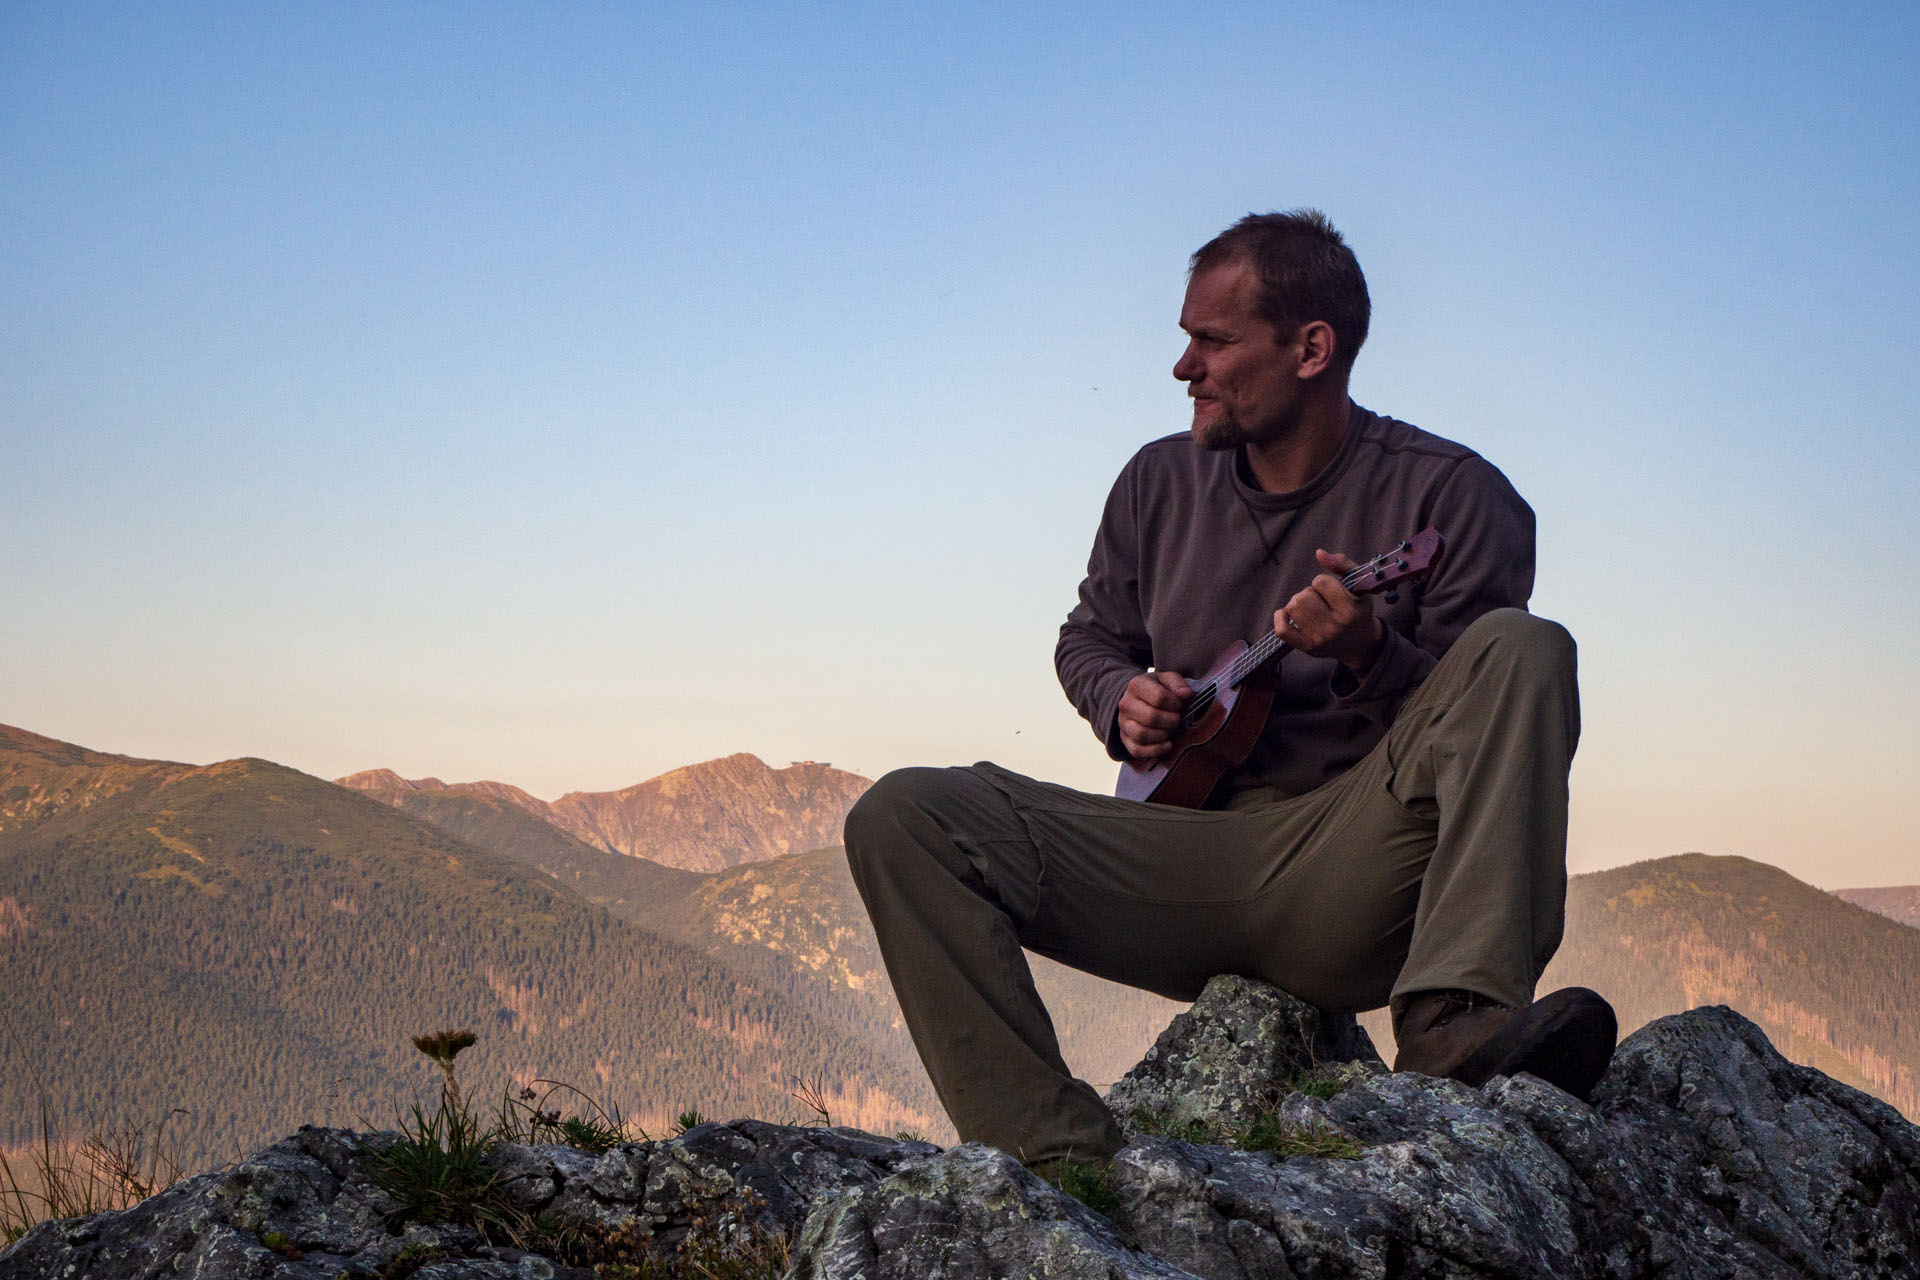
x: 240, y: 939
x: 1895, y: 902
x: 709, y: 816
x: 1827, y: 980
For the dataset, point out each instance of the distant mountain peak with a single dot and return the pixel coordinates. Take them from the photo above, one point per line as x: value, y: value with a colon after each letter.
x: 1896, y: 902
x: 388, y: 780
x: 708, y: 816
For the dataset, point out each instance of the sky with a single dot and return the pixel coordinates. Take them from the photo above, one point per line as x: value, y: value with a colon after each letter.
x: 560, y: 394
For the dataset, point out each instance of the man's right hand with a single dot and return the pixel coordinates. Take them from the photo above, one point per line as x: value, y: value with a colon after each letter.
x: 1150, y: 713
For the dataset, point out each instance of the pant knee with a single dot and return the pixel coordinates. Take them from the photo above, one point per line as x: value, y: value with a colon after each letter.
x: 901, y: 801
x: 1525, y: 639
x: 878, y: 810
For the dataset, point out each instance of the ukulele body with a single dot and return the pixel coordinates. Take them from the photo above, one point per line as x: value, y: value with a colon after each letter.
x: 1219, y: 740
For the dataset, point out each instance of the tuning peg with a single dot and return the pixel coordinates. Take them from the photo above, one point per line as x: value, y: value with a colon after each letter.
x: 1393, y: 596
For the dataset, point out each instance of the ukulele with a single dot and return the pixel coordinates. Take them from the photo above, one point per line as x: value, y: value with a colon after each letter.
x: 1229, y: 706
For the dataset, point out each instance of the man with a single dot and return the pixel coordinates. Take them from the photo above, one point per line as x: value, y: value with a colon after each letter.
x: 1398, y: 834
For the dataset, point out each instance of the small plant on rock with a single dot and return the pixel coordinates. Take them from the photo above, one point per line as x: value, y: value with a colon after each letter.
x: 1271, y: 1133
x: 533, y: 1116
x: 437, y: 1171
x: 811, y: 1094
x: 412, y: 1256
x: 1321, y: 1082
x: 1088, y: 1181
x: 1197, y: 1131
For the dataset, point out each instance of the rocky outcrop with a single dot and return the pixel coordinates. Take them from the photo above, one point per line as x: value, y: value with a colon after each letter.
x: 704, y: 817
x: 1228, y: 1060
x: 1704, y: 1154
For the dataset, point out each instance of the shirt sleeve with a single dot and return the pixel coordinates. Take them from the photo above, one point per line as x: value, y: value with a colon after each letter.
x: 1487, y: 563
x: 1104, y: 643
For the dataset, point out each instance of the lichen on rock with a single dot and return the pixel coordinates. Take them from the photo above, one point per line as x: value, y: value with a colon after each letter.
x: 1225, y: 1062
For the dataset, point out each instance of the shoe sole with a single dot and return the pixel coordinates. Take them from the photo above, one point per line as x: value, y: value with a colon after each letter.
x: 1565, y: 1038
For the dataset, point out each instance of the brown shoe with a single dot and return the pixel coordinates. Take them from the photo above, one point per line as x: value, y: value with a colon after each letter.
x: 1565, y: 1038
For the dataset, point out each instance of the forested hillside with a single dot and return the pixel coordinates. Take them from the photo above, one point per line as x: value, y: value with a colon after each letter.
x: 256, y: 946
x: 1831, y: 983
x: 799, y: 915
x: 622, y: 883
x: 805, y: 908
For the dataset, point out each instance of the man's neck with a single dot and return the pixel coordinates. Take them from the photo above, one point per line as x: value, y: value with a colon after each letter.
x: 1293, y: 462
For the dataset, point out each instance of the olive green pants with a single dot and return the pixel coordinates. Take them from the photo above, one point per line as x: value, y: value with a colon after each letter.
x: 1438, y: 861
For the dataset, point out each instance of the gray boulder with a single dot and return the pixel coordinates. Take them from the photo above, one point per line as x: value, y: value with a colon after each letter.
x: 1231, y: 1057
x: 972, y: 1211
x: 1704, y: 1154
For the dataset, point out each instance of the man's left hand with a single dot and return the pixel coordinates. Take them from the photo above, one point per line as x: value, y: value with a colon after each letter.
x: 1326, y: 620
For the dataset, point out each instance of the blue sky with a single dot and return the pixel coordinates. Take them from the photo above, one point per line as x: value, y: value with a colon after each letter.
x: 561, y: 394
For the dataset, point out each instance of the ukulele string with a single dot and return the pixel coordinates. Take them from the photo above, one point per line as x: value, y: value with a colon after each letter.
x: 1270, y: 645
x: 1265, y: 649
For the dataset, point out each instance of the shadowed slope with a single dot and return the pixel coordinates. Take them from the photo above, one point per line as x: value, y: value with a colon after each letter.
x: 1830, y: 982
x: 257, y: 946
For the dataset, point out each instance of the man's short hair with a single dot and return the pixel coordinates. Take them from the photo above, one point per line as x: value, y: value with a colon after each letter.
x: 1305, y: 271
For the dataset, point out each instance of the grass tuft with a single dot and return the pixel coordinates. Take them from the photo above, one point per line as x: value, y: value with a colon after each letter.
x: 1322, y: 1082
x: 1199, y: 1132
x: 811, y: 1094
x: 1088, y: 1181
x: 1270, y: 1133
x: 531, y: 1117
x: 437, y: 1171
x: 113, y: 1169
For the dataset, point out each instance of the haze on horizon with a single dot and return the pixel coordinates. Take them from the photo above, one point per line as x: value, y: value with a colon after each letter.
x: 562, y: 396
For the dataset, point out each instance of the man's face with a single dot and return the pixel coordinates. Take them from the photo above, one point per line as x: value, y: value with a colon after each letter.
x: 1240, y: 375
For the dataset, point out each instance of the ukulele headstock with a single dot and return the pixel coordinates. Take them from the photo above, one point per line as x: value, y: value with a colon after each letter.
x: 1411, y: 561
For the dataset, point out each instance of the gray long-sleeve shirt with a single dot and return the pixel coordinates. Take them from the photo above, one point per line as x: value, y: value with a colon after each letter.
x: 1190, y: 557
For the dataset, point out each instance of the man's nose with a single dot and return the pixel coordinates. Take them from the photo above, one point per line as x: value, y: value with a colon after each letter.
x: 1186, y: 368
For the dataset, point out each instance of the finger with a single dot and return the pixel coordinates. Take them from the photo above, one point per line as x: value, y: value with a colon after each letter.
x: 1176, y: 683
x: 1150, y: 692
x: 1161, y: 724
x: 1136, y: 736
x: 1338, y: 561
x: 1303, y: 616
x: 1333, y: 595
x: 1137, y: 711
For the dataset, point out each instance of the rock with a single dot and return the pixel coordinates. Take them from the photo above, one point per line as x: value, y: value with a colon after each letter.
x: 1704, y: 1154
x: 972, y: 1211
x: 312, y: 1195
x: 1231, y: 1057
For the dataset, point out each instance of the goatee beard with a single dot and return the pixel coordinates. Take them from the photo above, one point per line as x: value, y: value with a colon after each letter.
x: 1220, y: 434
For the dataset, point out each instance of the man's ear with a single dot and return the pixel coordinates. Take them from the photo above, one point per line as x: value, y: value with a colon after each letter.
x: 1316, y: 344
